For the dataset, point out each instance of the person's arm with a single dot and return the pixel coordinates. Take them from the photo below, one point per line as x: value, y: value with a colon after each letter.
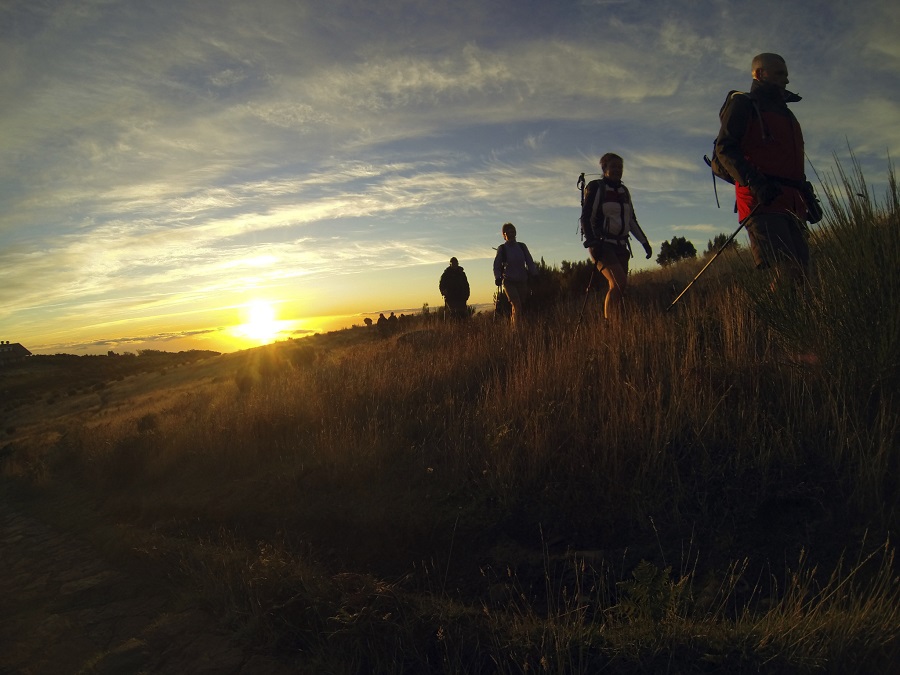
x: 634, y: 227
x: 641, y: 237
x: 735, y: 122
x: 529, y: 261
x: 498, y: 265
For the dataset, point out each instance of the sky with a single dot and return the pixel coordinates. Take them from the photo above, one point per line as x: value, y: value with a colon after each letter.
x: 212, y: 174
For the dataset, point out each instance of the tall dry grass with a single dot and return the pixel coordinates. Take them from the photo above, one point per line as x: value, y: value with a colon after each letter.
x: 421, y: 455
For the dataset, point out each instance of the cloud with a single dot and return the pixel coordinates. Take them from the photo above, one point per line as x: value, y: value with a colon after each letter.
x: 702, y: 228
x: 157, y: 158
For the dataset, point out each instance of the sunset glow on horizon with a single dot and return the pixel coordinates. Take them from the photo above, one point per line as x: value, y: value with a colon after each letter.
x: 260, y: 323
x: 164, y: 167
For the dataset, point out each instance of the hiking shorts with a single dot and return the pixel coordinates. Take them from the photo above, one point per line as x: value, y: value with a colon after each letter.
x: 775, y: 237
x: 607, y: 255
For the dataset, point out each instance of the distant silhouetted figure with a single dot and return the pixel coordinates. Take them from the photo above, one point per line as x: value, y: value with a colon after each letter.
x: 382, y: 324
x: 513, y: 265
x: 392, y: 323
x: 454, y: 287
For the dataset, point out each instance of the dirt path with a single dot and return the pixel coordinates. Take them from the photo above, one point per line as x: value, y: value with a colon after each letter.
x: 65, y: 609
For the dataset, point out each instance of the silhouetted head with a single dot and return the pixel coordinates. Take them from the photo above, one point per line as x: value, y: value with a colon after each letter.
x: 454, y: 262
x: 508, y: 231
x: 612, y: 166
x: 768, y: 67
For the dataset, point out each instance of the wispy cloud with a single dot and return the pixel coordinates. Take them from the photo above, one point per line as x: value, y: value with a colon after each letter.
x: 163, y: 158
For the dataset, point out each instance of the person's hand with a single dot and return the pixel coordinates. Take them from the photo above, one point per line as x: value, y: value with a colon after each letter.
x: 591, y: 243
x: 764, y: 191
x: 648, y: 250
x: 499, y: 282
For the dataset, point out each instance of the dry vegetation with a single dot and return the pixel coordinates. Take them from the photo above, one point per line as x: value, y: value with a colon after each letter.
x: 680, y: 494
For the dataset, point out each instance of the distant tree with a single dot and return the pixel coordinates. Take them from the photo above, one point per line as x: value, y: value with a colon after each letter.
x: 368, y: 322
x: 717, y: 242
x: 678, y: 249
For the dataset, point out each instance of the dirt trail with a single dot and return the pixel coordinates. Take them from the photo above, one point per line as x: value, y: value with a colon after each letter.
x: 65, y: 609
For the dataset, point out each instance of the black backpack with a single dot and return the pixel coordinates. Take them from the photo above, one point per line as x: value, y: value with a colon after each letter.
x: 713, y: 162
x: 814, y: 211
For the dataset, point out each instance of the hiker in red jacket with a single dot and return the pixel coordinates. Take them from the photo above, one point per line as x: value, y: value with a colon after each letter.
x: 761, y: 145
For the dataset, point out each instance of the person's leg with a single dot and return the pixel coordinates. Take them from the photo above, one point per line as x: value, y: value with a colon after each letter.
x: 514, y: 296
x: 777, y: 242
x: 458, y: 308
x: 794, y: 254
x: 612, y: 262
x: 613, y: 265
x: 617, y: 278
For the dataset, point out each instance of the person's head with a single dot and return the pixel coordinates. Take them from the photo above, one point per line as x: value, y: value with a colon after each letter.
x: 768, y: 67
x: 454, y: 262
x: 508, y: 231
x: 612, y: 166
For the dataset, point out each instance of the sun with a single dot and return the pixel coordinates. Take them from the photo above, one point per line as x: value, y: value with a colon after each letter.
x: 261, y: 323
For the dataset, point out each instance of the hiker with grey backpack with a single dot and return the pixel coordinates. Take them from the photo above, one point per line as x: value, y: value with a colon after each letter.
x: 607, y: 221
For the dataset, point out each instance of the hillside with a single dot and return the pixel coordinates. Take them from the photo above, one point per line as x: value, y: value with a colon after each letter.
x: 681, y: 491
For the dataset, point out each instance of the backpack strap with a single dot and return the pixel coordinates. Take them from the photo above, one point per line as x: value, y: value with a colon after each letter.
x: 754, y: 102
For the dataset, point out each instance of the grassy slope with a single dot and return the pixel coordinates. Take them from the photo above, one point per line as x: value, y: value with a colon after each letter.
x: 677, y: 491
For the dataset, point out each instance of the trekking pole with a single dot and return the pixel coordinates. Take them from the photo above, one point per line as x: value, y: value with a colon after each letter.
x: 710, y: 262
x: 587, y: 292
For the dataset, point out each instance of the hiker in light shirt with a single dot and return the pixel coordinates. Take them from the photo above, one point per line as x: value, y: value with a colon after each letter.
x: 513, y: 265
